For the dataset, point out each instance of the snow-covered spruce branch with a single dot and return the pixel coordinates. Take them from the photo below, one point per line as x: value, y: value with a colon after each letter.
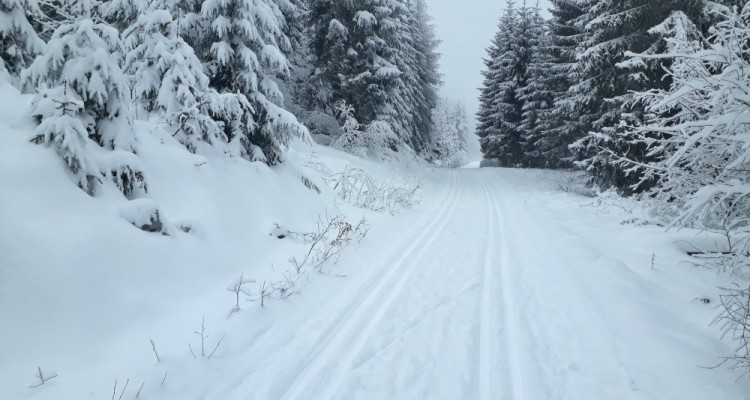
x: 331, y: 236
x: 697, y: 132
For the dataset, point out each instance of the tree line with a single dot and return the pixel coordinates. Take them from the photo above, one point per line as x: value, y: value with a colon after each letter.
x: 238, y: 78
x: 651, y: 98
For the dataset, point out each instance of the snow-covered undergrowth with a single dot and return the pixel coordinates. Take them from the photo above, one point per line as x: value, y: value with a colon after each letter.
x: 107, y: 294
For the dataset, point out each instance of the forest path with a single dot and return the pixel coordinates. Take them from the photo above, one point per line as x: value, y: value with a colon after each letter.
x: 498, y: 288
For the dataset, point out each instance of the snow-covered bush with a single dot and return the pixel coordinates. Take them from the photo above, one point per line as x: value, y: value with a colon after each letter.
x: 146, y: 216
x: 80, y: 69
x: 372, y: 140
x: 62, y: 129
x: 356, y: 186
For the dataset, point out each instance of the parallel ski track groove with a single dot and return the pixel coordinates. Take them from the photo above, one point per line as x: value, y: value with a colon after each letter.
x: 323, y: 354
x: 511, y: 335
x: 486, y: 321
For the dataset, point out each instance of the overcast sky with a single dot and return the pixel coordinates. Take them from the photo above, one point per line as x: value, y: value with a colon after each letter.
x: 466, y: 28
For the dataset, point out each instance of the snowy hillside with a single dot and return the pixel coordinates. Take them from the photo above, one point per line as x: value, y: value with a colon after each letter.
x: 276, y: 200
x: 498, y: 284
x: 83, y: 286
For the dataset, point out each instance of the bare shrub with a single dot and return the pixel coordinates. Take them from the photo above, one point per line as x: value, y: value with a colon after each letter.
x: 734, y: 322
x: 156, y: 353
x: 204, y: 336
x: 287, y: 287
x: 356, y: 186
x: 42, y: 379
x: 331, y: 236
x: 238, y: 287
x: 282, y: 289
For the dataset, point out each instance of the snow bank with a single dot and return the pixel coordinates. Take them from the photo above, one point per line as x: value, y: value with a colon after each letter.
x: 82, y: 290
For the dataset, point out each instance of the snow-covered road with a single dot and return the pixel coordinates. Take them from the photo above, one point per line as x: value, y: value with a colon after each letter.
x: 491, y: 291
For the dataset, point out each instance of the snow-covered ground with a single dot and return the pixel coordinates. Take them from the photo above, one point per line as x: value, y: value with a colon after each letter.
x: 498, y: 285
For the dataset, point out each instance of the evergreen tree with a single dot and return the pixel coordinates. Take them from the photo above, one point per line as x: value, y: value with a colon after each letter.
x: 559, y: 126
x: 607, y: 82
x: 500, y: 110
x: 426, y: 66
x: 354, y: 64
x: 406, y: 109
x: 537, y: 94
x: 54, y: 13
x: 19, y: 42
x: 168, y: 78
x: 378, y: 57
x: 697, y: 129
x: 509, y: 106
x: 242, y: 45
x: 122, y: 14
x: 78, y: 76
x: 62, y: 129
x: 451, y: 131
x: 294, y: 86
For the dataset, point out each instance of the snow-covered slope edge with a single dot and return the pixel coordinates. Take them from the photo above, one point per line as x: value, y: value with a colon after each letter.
x: 82, y: 291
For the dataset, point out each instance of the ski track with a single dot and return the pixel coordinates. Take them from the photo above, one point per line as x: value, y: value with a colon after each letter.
x: 486, y: 325
x: 325, y: 354
x: 498, y: 273
x: 408, y: 332
x: 511, y: 334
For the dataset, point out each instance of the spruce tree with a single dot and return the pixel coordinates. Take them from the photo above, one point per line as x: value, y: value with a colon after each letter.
x: 499, y: 107
x: 558, y: 125
x: 426, y: 64
x: 697, y: 129
x: 450, y: 135
x: 506, y: 124
x: 353, y: 60
x: 242, y: 45
x: 168, y: 78
x: 607, y: 82
x: 537, y: 94
x: 79, y: 76
x: 378, y: 57
x: 294, y: 86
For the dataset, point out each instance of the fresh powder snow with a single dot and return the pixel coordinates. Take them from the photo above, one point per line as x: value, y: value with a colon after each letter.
x: 499, y: 284
x: 284, y: 200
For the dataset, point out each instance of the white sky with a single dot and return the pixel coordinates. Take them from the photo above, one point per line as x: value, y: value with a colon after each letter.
x: 466, y: 28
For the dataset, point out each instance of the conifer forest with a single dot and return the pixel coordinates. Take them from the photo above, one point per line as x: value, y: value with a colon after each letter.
x: 375, y: 199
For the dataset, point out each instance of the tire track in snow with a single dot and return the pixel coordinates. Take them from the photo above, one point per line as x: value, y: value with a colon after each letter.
x: 510, y: 328
x: 358, y: 324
